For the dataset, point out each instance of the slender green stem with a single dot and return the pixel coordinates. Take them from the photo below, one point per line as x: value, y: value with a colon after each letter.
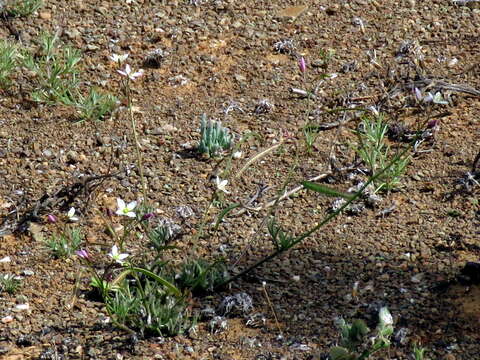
x: 137, y: 143
x: 325, y: 221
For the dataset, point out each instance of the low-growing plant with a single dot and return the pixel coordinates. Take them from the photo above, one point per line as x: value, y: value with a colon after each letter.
x: 310, y: 131
x: 353, y: 343
x: 376, y: 154
x: 66, y: 243
x: 139, y: 297
x: 214, y: 137
x: 202, y: 276
x: 56, y: 71
x: 280, y: 239
x: 419, y: 352
x: 9, y: 283
x: 96, y: 105
x: 326, y: 56
x: 159, y: 238
x: 8, y: 62
x: 145, y: 305
x: 22, y: 8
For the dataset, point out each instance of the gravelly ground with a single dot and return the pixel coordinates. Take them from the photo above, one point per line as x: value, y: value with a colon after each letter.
x: 222, y: 58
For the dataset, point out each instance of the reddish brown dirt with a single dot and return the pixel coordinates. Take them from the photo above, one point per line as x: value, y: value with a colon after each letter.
x: 408, y: 260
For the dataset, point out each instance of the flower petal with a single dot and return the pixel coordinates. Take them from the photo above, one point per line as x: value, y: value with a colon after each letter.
x: 131, y: 205
x: 114, y: 251
x: 120, y: 203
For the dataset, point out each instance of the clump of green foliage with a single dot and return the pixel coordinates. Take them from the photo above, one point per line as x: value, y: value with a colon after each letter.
x: 9, y: 283
x: 214, y: 137
x: 56, y: 71
x: 23, y: 8
x: 376, y: 153
x: 96, y: 105
x: 8, y: 62
x: 201, y: 276
x: 65, y: 244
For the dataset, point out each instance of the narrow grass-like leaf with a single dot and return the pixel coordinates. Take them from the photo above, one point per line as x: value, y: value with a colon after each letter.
x: 325, y: 190
x: 150, y: 274
x: 224, y: 212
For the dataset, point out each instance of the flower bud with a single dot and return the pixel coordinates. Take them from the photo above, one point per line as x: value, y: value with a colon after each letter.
x: 433, y: 124
x: 148, y: 216
x: 83, y: 254
x: 302, y: 66
x: 385, y: 317
x: 52, y: 219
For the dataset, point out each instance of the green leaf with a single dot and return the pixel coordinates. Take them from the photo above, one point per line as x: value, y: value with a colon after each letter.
x: 224, y: 213
x: 325, y: 190
x: 150, y: 274
x: 340, y: 353
x: 358, y: 330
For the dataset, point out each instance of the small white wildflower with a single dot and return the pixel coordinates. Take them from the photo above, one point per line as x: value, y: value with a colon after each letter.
x: 221, y: 184
x: 71, y: 215
x: 428, y: 98
x: 439, y: 99
x: 118, y: 58
x: 115, y: 255
x: 237, y: 155
x: 128, y: 72
x: 385, y: 317
x: 126, y: 210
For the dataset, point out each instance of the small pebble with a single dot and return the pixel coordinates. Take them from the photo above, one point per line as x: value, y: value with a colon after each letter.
x: 417, y: 278
x: 22, y: 307
x: 45, y: 15
x: 7, y: 319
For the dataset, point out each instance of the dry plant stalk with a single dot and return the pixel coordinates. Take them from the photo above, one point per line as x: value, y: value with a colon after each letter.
x: 257, y: 157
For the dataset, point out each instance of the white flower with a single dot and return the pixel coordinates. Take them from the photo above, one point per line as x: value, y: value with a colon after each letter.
x: 385, y: 317
x: 116, y: 256
x: 118, y: 58
x: 237, y: 154
x: 126, y: 210
x: 128, y: 73
x: 439, y: 99
x: 436, y: 99
x: 428, y: 98
x: 221, y: 184
x: 71, y: 215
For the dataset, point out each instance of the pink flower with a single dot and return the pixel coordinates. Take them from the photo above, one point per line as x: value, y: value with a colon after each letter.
x: 433, y: 124
x: 302, y: 66
x: 52, y: 219
x: 148, y: 216
x: 83, y: 254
